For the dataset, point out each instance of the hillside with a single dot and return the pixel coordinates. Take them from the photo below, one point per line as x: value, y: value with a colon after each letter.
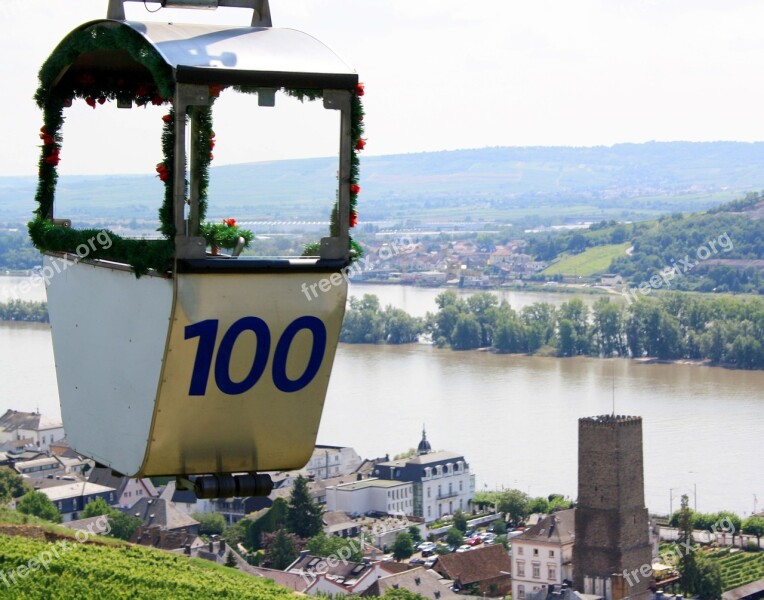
x: 96, y: 571
x: 535, y: 184
x: 720, y: 250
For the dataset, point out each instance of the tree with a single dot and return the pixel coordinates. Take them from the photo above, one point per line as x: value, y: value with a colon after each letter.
x: 514, y: 503
x: 38, y: 504
x: 538, y: 505
x: 688, y: 565
x: 329, y: 545
x: 754, y: 526
x: 415, y: 534
x: 11, y: 484
x: 230, y: 560
x: 454, y: 537
x: 499, y: 527
x: 96, y: 508
x: 709, y: 584
x: 210, y: 523
x: 281, y: 549
x: 466, y: 334
x: 460, y: 521
x: 403, y: 547
x: 303, y: 515
x: 122, y: 525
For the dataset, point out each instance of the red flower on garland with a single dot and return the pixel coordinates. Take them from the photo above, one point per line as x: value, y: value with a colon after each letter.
x: 163, y: 171
x: 54, y: 157
x: 360, y: 144
x: 167, y: 118
x: 90, y: 101
x: 359, y: 90
x: 230, y: 222
x: 46, y: 138
x: 355, y: 188
x: 353, y: 218
x: 142, y: 90
x: 101, y: 100
x: 215, y: 90
x: 157, y: 100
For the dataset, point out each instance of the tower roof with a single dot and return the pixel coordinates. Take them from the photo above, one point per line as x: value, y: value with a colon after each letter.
x: 424, y: 446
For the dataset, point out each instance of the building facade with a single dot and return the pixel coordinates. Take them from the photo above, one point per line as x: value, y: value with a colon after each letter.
x: 442, y: 482
x: 371, y: 495
x: 36, y: 429
x: 332, y: 461
x: 612, y: 523
x: 543, y: 555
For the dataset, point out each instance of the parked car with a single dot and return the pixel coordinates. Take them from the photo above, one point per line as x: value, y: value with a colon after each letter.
x: 428, y: 552
x: 464, y: 548
x: 474, y: 541
x: 417, y: 561
x: 430, y: 562
x: 488, y: 537
x: 426, y: 546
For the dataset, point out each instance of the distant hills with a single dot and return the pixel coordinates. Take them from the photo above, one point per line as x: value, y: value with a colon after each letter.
x: 545, y: 184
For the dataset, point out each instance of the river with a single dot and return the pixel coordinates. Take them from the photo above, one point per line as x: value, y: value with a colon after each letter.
x: 513, y: 417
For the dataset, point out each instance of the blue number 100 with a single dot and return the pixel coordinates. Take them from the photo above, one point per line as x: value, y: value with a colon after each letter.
x: 207, y: 332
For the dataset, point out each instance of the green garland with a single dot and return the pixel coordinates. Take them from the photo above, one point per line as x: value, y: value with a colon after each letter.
x: 53, y: 96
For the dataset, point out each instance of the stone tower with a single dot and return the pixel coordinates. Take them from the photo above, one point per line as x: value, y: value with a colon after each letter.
x: 612, y: 541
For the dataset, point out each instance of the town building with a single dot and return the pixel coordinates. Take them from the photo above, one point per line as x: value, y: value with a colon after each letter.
x: 35, y: 429
x: 163, y: 514
x: 612, y: 556
x: 129, y: 490
x: 424, y: 582
x: 543, y: 555
x: 70, y: 498
x: 442, y: 482
x: 332, y: 461
x: 371, y: 496
x: 485, y: 571
x: 330, y: 576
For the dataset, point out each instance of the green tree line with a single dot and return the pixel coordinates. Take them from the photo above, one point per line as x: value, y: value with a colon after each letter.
x: 24, y: 310
x: 723, y: 330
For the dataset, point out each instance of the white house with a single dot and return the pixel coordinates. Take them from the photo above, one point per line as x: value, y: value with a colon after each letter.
x: 128, y: 490
x: 332, y: 461
x: 442, y: 482
x: 542, y: 556
x: 38, y: 429
x: 371, y: 495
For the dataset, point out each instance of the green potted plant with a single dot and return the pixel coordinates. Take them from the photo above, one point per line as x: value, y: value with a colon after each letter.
x: 225, y: 234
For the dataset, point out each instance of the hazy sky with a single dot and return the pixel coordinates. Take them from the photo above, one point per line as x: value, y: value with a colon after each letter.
x: 449, y: 74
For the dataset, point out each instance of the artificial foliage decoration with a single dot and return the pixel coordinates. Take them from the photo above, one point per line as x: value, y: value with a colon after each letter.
x: 225, y: 234
x: 153, y: 85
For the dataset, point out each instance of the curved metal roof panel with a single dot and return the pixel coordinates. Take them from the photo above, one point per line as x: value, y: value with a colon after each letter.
x: 248, y: 49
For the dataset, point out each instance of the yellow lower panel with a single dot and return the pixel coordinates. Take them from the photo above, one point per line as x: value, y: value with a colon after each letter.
x: 246, y: 372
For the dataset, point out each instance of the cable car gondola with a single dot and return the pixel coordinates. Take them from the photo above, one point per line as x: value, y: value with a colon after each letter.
x: 172, y: 361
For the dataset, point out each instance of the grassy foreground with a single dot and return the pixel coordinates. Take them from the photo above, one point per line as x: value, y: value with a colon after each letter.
x: 87, y: 571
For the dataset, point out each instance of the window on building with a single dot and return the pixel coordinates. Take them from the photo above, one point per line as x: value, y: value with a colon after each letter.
x: 461, y: 486
x: 551, y: 554
x: 43, y: 439
x: 520, y: 592
x: 429, y: 511
x: 520, y: 550
x: 428, y: 492
x: 535, y: 552
x: 552, y: 574
x: 536, y: 571
x: 520, y: 568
